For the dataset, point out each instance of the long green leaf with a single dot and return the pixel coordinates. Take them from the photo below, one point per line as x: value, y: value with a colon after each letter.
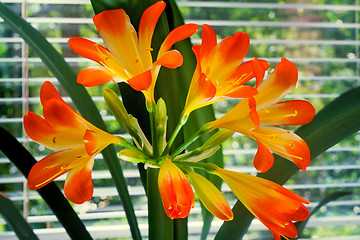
x: 66, y: 76
x: 13, y: 217
x: 51, y: 194
x: 338, y: 120
x: 330, y: 197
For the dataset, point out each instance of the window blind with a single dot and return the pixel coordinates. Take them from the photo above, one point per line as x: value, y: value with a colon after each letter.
x: 321, y: 38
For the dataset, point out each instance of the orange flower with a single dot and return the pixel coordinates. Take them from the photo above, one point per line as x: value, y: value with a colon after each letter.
x: 175, y: 190
x: 128, y: 55
x: 76, y: 140
x: 220, y: 72
x: 256, y: 117
x: 275, y: 206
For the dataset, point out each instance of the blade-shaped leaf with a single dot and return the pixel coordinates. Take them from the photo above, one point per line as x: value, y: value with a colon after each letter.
x: 338, y: 120
x: 66, y: 76
x: 330, y: 197
x: 17, y: 222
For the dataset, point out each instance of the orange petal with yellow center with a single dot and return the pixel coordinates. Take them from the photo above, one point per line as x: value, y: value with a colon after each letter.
x: 211, y: 197
x: 119, y: 36
x: 279, y: 83
x: 295, y: 112
x: 264, y: 159
x: 54, y: 165
x: 141, y: 82
x: 94, y: 76
x: 284, y: 143
x: 175, y: 190
x: 226, y: 56
x: 171, y: 59
x: 241, y: 92
x: 200, y: 93
x: 88, y: 49
x: 78, y: 184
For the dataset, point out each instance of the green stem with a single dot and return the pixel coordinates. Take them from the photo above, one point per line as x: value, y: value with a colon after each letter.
x: 180, y: 124
x: 186, y: 143
x: 180, y: 229
x: 160, y: 225
x: 154, y: 135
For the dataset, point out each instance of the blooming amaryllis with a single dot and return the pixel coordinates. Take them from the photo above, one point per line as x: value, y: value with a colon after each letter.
x: 256, y: 117
x: 127, y: 56
x: 220, y: 71
x: 76, y: 141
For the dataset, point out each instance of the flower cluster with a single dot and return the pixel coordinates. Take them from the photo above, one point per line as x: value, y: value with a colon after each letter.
x: 220, y: 73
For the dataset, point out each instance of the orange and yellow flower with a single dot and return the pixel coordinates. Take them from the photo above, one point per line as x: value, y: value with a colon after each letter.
x: 256, y: 117
x: 175, y: 190
x: 127, y: 56
x: 275, y: 206
x: 76, y: 141
x: 220, y: 71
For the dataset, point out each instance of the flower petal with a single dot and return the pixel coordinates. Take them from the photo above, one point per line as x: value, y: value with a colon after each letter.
x: 147, y: 24
x: 38, y: 129
x: 48, y: 92
x: 209, y: 41
x: 284, y: 143
x: 263, y: 160
x: 78, y: 184
x: 88, y: 49
x: 94, y: 76
x: 171, y: 59
x: 227, y: 56
x: 295, y: 112
x: 141, y: 82
x: 243, y: 91
x: 280, y: 82
x: 176, y: 35
x: 200, y: 93
x: 116, y: 30
x: 55, y: 165
x: 211, y: 197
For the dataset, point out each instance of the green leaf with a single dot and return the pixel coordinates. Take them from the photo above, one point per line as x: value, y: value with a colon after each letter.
x: 51, y: 194
x: 13, y: 217
x: 338, y: 120
x: 66, y: 76
x: 330, y: 197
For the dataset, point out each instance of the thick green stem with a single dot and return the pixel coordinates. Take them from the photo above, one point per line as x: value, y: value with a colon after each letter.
x: 181, y: 229
x: 160, y: 225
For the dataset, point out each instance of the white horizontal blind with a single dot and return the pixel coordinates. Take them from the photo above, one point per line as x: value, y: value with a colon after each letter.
x: 320, y: 37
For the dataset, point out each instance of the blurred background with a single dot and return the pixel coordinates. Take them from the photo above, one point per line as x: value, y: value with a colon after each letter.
x: 320, y: 36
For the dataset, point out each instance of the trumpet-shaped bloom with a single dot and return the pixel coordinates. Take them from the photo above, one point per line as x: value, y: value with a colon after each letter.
x: 275, y: 206
x: 127, y: 56
x: 76, y: 141
x: 220, y: 72
x: 175, y: 190
x: 210, y: 196
x: 256, y: 117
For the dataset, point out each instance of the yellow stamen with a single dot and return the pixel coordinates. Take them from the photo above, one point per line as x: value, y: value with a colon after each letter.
x: 138, y: 57
x: 62, y: 171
